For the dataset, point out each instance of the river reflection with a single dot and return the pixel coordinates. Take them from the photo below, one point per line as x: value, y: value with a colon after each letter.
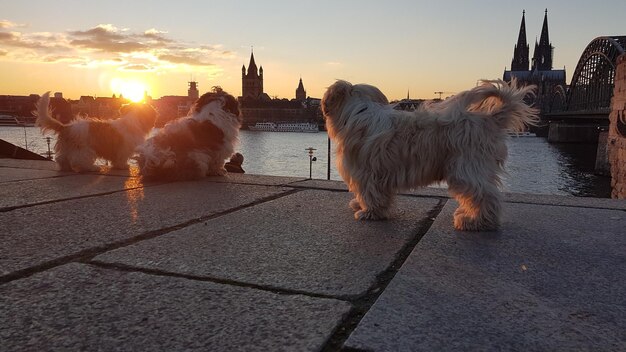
x: 534, y: 165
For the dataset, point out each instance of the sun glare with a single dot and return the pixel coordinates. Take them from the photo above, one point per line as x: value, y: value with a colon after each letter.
x: 129, y: 89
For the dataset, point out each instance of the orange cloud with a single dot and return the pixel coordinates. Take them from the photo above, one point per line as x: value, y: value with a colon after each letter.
x: 107, y: 45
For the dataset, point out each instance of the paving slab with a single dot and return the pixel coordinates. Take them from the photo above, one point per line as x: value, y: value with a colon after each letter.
x: 8, y: 174
x: 21, y: 193
x: 431, y: 191
x: 308, y: 241
x: 29, y: 164
x: 255, y: 179
x: 551, y: 279
x: 442, y: 192
x: 80, y: 307
x: 35, y: 235
x: 584, y: 202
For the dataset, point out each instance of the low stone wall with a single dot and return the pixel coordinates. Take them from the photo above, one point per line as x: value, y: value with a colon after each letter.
x: 617, y: 132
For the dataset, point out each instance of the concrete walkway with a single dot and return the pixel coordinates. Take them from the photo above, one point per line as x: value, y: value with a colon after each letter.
x: 255, y: 263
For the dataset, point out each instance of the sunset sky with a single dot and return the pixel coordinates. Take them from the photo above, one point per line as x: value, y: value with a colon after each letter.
x: 101, y: 48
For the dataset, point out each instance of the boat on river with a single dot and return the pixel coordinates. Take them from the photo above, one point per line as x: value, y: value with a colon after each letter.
x: 521, y: 134
x: 284, y: 127
x: 9, y: 120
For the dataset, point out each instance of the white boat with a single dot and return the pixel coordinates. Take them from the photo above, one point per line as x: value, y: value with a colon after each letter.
x: 284, y: 127
x: 521, y: 134
x: 8, y: 120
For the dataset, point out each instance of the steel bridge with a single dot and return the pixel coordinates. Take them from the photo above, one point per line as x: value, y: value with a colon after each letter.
x: 586, y: 102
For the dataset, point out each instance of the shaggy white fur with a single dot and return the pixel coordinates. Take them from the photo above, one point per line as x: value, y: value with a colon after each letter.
x: 461, y: 140
x: 82, y: 141
x: 196, y: 145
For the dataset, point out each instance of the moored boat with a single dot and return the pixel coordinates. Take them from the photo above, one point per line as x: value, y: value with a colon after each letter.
x: 284, y: 127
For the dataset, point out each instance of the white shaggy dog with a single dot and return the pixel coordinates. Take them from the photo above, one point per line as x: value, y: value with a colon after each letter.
x: 197, y: 145
x: 82, y: 141
x: 461, y: 140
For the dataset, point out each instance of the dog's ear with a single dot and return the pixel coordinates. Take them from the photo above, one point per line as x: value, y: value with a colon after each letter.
x: 335, y: 96
x: 230, y: 104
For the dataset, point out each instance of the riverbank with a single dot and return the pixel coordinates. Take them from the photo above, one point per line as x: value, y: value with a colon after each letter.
x: 534, y: 165
x: 251, y: 262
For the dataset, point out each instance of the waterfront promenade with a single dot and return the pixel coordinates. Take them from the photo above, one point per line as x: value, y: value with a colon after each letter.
x: 103, y: 262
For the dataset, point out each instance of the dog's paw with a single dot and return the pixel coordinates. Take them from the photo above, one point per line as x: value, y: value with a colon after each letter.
x: 368, y: 215
x: 463, y: 222
x: 86, y: 168
x: 218, y: 172
x: 355, y: 205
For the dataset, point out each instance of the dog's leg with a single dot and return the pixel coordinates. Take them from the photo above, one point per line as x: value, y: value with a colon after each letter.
x: 82, y: 160
x: 216, y: 168
x: 120, y: 164
x: 374, y: 203
x: 64, y: 164
x: 479, y: 205
x: 355, y: 205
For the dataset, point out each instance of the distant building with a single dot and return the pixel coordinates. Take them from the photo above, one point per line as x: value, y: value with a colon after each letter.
x: 407, y: 104
x: 22, y: 107
x: 18, y: 105
x: 300, y: 92
x: 541, y: 72
x: 193, y: 93
x: 171, y: 107
x: 257, y: 106
x: 97, y: 107
x: 252, y: 82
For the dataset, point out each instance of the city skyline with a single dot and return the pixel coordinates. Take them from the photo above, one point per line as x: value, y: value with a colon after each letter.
x: 403, y: 47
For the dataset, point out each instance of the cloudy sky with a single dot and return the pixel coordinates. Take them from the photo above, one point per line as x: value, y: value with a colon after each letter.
x: 94, y: 48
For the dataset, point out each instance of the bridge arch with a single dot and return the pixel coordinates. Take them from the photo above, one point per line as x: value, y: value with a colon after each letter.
x: 592, y: 84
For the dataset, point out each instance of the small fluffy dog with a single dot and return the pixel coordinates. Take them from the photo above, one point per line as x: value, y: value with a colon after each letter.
x: 461, y: 140
x: 82, y: 141
x: 196, y: 145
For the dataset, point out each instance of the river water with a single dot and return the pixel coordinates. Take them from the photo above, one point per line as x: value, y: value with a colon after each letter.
x: 534, y: 165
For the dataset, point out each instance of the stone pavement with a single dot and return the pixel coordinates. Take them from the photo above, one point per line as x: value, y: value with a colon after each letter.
x: 257, y: 263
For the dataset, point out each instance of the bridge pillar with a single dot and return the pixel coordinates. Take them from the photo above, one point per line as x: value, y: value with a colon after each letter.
x: 564, y: 132
x: 617, y: 131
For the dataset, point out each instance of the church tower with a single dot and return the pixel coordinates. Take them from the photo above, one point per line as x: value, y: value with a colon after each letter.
x: 542, y: 57
x: 520, y: 53
x: 192, y: 92
x: 252, y: 81
x: 300, y: 92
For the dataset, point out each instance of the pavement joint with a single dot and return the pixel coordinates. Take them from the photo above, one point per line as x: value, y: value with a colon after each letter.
x: 10, y: 208
x: 362, y: 304
x: 582, y: 206
x: 272, y: 289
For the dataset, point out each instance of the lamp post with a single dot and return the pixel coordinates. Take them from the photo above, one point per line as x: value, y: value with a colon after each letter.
x: 328, y: 169
x: 49, y: 152
x: 311, y: 160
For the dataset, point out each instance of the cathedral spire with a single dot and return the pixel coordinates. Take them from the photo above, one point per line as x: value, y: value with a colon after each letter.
x: 542, y: 57
x: 544, y: 39
x: 520, y: 53
x: 252, y: 69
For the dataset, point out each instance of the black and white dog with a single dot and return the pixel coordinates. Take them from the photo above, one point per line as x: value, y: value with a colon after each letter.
x: 194, y: 146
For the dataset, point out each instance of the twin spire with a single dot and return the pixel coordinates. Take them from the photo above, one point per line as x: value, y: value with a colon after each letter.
x: 542, y: 57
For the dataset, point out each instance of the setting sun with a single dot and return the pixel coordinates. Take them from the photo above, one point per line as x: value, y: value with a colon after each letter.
x: 129, y: 89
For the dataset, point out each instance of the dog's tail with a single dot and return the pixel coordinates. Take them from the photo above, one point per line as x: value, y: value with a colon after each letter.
x: 503, y: 102
x: 44, y: 118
